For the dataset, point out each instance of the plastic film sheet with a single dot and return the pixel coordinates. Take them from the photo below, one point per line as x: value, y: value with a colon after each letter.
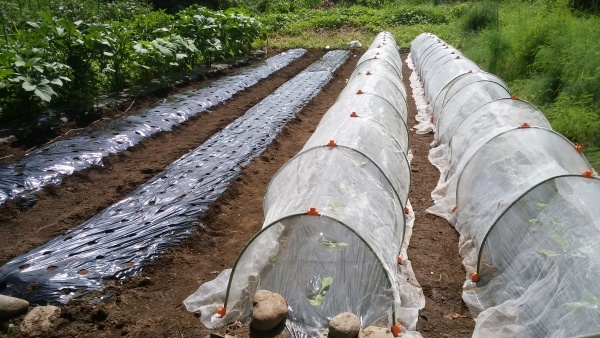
x: 523, y: 199
x: 539, y: 264
x: 335, y: 220
x: 52, y: 162
x: 456, y: 87
x: 116, y: 242
x: 504, y: 168
x: 485, y: 123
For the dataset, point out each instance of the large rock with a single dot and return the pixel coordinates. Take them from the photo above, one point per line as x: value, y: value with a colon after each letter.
x: 10, y: 306
x: 269, y: 310
x: 375, y: 332
x: 344, y: 325
x: 39, y: 321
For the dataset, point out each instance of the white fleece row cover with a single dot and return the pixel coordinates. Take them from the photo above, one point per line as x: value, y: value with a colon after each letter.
x: 337, y: 217
x: 525, y: 201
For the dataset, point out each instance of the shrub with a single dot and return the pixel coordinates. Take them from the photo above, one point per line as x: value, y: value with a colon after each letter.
x: 479, y: 16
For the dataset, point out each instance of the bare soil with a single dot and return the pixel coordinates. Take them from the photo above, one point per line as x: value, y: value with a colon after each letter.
x: 150, y: 305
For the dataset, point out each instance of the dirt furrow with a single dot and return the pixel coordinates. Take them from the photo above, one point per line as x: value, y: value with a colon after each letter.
x: 433, y: 248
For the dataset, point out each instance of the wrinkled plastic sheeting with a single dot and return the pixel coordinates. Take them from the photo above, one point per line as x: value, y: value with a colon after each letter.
x: 119, y: 240
x: 484, y: 124
x: 528, y: 218
x: 355, y: 173
x: 540, y: 265
x: 51, y: 163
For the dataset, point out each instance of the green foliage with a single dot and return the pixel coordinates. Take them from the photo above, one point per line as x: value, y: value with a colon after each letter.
x: 479, y: 16
x: 9, y: 331
x: 68, y: 57
x: 354, y: 17
x: 549, y: 55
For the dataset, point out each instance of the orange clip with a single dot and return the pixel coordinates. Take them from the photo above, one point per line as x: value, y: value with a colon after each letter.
x: 525, y: 125
x: 396, y: 330
x: 399, y: 259
x: 312, y: 212
x: 406, y: 210
x: 353, y: 114
x: 588, y: 174
x: 331, y: 143
x: 475, y: 277
x: 514, y: 97
x: 454, y: 208
x: 359, y: 92
x: 221, y: 311
x: 579, y: 148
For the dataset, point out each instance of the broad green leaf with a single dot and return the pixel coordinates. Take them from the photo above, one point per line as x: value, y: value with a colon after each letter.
x: 318, y: 298
x: 6, y: 72
x: 28, y: 86
x: 44, y: 92
x: 56, y: 82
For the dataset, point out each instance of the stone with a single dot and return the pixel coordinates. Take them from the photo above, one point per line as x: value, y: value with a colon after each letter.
x: 11, y: 306
x: 375, y: 332
x: 344, y: 325
x: 39, y: 321
x: 269, y: 310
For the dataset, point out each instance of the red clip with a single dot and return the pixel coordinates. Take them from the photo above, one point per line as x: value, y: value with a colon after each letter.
x: 514, y: 97
x: 588, y: 174
x: 221, y: 311
x: 431, y: 119
x: 579, y: 148
x: 406, y: 210
x: 454, y: 208
x: 312, y: 212
x: 525, y: 125
x: 475, y: 277
x: 331, y: 143
x: 399, y: 259
x: 396, y: 330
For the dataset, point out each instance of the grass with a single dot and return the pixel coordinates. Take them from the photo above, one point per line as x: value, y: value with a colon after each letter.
x: 548, y: 55
x: 337, y: 27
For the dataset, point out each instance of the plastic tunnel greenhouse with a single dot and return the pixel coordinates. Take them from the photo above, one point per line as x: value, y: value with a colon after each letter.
x: 335, y: 214
x: 523, y: 198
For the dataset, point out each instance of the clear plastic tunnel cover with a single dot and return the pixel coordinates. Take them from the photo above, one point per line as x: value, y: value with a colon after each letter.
x: 322, y: 268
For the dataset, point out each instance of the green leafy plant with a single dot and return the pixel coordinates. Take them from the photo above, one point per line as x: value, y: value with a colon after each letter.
x: 9, y: 331
x: 317, y: 297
